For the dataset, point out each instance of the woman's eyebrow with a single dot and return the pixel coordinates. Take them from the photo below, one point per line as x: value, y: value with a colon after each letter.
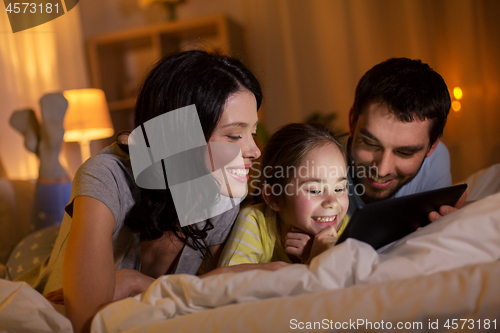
x: 239, y: 124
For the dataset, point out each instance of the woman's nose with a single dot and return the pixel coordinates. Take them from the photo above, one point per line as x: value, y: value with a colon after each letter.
x: 251, y: 150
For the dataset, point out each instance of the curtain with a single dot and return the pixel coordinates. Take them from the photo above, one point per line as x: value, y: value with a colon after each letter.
x: 43, y: 59
x: 310, y: 55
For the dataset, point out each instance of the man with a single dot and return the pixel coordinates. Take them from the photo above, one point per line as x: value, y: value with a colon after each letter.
x: 394, y: 149
x: 396, y: 122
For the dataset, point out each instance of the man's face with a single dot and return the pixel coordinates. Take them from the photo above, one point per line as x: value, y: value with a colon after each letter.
x: 387, y: 152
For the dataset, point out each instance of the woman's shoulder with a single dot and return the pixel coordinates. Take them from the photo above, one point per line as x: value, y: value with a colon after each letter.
x: 111, y: 162
x: 108, y: 178
x: 111, y: 155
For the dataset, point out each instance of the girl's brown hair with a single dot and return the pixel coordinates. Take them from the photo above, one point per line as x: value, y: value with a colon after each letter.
x: 283, y: 154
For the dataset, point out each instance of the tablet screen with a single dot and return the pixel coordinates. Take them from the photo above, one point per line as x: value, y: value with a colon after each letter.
x: 384, y: 222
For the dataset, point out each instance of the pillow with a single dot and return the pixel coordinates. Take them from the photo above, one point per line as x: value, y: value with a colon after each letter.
x: 483, y: 183
x: 31, y: 251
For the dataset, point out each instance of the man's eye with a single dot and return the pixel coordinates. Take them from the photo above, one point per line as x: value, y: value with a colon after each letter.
x: 370, y: 144
x: 404, y: 154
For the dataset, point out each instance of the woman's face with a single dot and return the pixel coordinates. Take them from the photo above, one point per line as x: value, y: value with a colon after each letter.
x: 237, y: 125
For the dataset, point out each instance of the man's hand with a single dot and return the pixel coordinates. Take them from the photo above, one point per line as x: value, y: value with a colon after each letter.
x: 323, y: 241
x: 445, y: 209
x: 298, y: 243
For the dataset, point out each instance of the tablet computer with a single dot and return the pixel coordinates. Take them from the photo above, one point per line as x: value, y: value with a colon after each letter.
x: 384, y: 222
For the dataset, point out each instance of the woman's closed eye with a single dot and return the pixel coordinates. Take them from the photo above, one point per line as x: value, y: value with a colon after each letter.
x: 234, y: 137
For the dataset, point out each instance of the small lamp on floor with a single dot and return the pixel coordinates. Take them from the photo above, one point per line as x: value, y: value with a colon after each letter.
x: 87, y: 118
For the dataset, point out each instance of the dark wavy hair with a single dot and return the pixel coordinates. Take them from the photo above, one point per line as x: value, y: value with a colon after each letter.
x: 409, y: 88
x: 192, y: 77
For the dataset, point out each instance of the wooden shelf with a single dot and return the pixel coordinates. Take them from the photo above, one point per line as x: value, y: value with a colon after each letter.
x: 119, y: 60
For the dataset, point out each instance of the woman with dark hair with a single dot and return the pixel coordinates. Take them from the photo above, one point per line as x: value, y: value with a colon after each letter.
x: 116, y: 237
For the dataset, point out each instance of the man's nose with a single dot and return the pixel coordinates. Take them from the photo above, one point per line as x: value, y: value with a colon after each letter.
x: 384, y: 164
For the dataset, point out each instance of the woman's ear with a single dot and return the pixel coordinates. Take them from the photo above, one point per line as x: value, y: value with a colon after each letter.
x: 271, y: 200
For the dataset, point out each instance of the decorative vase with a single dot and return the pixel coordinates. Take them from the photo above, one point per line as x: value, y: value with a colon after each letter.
x: 169, y: 5
x: 171, y: 8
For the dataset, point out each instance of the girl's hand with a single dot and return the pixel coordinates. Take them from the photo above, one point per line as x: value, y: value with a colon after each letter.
x: 298, y: 243
x: 323, y: 241
x: 129, y: 282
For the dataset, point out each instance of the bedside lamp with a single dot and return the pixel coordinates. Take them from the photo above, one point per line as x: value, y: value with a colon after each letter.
x: 87, y: 118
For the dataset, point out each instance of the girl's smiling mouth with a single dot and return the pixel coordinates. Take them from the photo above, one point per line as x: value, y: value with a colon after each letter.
x: 325, y: 220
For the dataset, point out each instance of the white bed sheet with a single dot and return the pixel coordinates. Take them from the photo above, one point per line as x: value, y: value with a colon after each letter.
x: 447, y: 270
x: 23, y: 309
x: 470, y: 236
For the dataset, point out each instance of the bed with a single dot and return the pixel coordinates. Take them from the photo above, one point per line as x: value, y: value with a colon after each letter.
x: 444, y: 276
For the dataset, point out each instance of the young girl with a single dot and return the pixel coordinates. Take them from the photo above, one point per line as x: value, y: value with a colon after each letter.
x: 304, y: 181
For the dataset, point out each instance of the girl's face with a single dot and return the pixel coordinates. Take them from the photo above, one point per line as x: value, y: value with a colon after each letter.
x: 317, y: 197
x: 237, y: 125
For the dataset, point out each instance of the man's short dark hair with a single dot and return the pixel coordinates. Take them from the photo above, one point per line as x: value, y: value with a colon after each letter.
x: 409, y: 88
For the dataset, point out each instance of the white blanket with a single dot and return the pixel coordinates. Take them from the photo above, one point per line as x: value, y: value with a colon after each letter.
x: 23, y: 309
x: 469, y: 236
x: 447, y: 270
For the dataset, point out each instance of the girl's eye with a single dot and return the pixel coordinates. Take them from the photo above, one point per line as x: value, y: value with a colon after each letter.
x: 254, y: 134
x: 340, y: 190
x: 314, y: 192
x: 234, y: 138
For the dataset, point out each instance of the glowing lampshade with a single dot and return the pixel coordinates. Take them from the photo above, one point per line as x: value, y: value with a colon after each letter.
x: 87, y: 118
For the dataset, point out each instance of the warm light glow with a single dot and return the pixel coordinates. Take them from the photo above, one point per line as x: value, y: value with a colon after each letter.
x: 87, y: 118
x: 456, y: 106
x: 457, y: 92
